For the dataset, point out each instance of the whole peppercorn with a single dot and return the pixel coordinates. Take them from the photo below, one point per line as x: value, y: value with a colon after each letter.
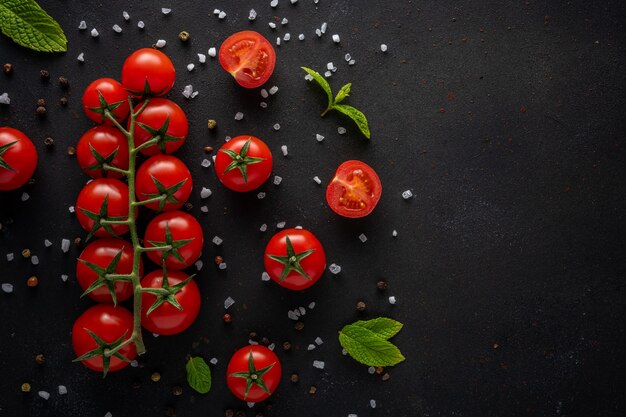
x: 183, y: 36
x: 286, y: 345
x: 208, y: 149
x: 44, y: 74
x: 48, y: 141
x: 312, y: 389
x: 78, y: 241
x: 188, y: 206
x: 32, y: 281
x: 25, y: 387
x: 26, y: 253
x: 71, y: 151
x: 265, y: 341
x: 41, y: 102
x: 386, y: 376
x: 252, y: 335
x: 229, y: 413
x: 382, y: 285
x: 379, y: 370
x: 227, y: 318
x: 218, y: 260
x: 63, y: 101
x: 299, y: 325
x: 7, y: 68
x: 155, y: 377
x: 64, y: 82
x: 360, y: 306
x: 41, y: 111
x: 241, y: 413
x: 31, y: 181
x: 212, y: 124
x: 177, y: 390
x: 40, y: 358
x: 294, y: 377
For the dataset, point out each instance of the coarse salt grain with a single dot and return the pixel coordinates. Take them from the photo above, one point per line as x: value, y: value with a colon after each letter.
x: 301, y: 36
x: 263, y: 105
x: 264, y: 93
x: 352, y: 415
x: 81, y: 57
x: 108, y: 414
x: 373, y: 403
x: 239, y: 116
x: 134, y: 363
x: 82, y: 25
x: 273, y: 90
x: 216, y: 11
x: 205, y: 163
x: 10, y: 257
x: 25, y: 196
x: 284, y: 21
x: 65, y: 245
x: 277, y: 126
x: 287, y: 37
x: 62, y: 389
x: 160, y: 43
x: 204, y: 209
x: 330, y: 66
x: 341, y: 130
x: 318, y: 341
x: 274, y: 3
x: 362, y: 237
x: 229, y: 301
x: 34, y: 259
x: 165, y: 10
x: 294, y: 1
x: 217, y: 240
x: 252, y: 15
x: 71, y: 209
x: 94, y: 33
x: 311, y: 305
x: 213, y: 361
x: 141, y: 24
x: 261, y: 195
x: 44, y: 394
x: 272, y: 25
x: 317, y: 179
x: 190, y: 67
x: 194, y: 94
x: 336, y: 38
x: 271, y: 346
x: 222, y: 15
x: 7, y: 288
x: 352, y: 62
x: 277, y: 180
x: 205, y: 192
x: 328, y: 74
x: 318, y: 364
x: 407, y: 194
x: 187, y: 91
x: 292, y: 315
x: 125, y: 15
x: 278, y: 41
x: 265, y: 276
x: 383, y: 47
x: 318, y: 33
x: 284, y: 150
x: 348, y: 57
x: 323, y: 28
x: 117, y: 29
x: 250, y: 403
x: 212, y: 52
x: 201, y: 58
x: 263, y: 227
x: 371, y: 370
x: 334, y: 269
x: 319, y: 137
x: 311, y: 347
x: 64, y: 277
x: 392, y: 300
x: 280, y: 225
x: 199, y: 265
x: 344, y: 352
x: 4, y: 99
x: 394, y: 233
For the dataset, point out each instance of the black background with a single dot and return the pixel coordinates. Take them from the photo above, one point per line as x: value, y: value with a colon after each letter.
x: 505, y: 119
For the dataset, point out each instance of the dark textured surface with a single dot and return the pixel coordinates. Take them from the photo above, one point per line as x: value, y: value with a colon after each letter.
x: 505, y: 119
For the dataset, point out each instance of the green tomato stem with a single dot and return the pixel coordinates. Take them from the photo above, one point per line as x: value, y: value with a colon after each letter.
x: 150, y: 200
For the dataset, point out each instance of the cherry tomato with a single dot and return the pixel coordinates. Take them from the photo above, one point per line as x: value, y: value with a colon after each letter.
x: 179, y: 230
x: 105, y: 94
x: 355, y: 190
x: 167, y: 319
x: 110, y: 324
x: 163, y: 175
x: 243, y: 163
x: 253, y: 373
x: 164, y: 119
x: 106, y: 256
x: 99, y: 146
x: 148, y: 72
x: 248, y: 57
x: 295, y: 259
x: 103, y: 198
x: 18, y: 159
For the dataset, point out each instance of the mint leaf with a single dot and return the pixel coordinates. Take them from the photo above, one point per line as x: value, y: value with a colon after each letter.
x: 383, y: 327
x: 356, y: 115
x: 323, y: 83
x: 198, y: 375
x: 367, y: 346
x: 343, y: 93
x: 30, y: 26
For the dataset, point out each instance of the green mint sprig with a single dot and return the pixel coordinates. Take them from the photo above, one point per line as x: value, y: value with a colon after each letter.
x: 30, y: 26
x: 198, y: 375
x: 334, y: 103
x: 367, y: 341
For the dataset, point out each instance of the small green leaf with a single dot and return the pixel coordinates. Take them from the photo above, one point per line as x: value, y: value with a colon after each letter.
x: 367, y: 346
x: 343, y: 93
x: 356, y: 115
x: 30, y: 26
x: 322, y: 82
x: 198, y: 375
x: 384, y: 327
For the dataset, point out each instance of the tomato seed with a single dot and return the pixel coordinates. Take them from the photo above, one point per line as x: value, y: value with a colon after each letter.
x: 218, y: 260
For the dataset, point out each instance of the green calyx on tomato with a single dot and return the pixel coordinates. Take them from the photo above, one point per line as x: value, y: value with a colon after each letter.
x: 147, y: 91
x: 292, y: 261
x: 101, y: 161
x: 166, y: 293
x: 102, y: 349
x: 170, y: 246
x: 166, y: 193
x: 253, y: 376
x: 3, y: 149
x: 102, y: 273
x: 97, y: 218
x: 160, y: 134
x: 105, y: 107
x: 241, y: 160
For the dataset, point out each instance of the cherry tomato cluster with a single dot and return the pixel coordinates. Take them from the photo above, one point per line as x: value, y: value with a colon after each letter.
x: 107, y: 210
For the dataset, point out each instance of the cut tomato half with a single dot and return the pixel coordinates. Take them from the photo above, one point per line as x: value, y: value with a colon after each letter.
x: 248, y: 57
x: 355, y: 190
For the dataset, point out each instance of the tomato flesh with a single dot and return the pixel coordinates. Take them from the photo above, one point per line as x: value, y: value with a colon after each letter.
x: 248, y: 57
x: 355, y: 190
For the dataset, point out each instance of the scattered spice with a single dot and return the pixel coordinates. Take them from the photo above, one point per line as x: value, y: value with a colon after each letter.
x: 382, y: 285
x: 41, y: 111
x: 219, y: 260
x: 44, y: 74
x: 40, y: 358
x: 265, y: 341
x: 241, y: 413
x: 177, y: 390
x: 25, y: 387
x: 294, y: 377
x: 49, y: 141
x: 212, y: 124
x: 229, y: 413
x: 32, y: 282
x: 360, y: 306
x: 63, y: 101
x: 252, y: 335
x: 7, y: 68
x: 155, y: 377
x: 496, y: 346
x: 386, y: 376
x: 299, y: 325
x: 64, y: 82
x: 188, y: 206
x: 522, y: 109
x: 26, y: 253
x: 71, y: 151
x: 312, y: 389
x: 286, y: 345
x: 183, y: 36
x: 208, y: 149
x: 41, y: 102
x: 379, y: 370
x: 227, y: 318
x: 78, y: 241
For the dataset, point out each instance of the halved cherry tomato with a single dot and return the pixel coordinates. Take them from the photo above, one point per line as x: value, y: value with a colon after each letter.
x: 148, y: 72
x: 103, y: 199
x: 248, y: 57
x: 253, y: 373
x: 243, y: 163
x: 99, y: 146
x: 105, y: 94
x: 355, y: 190
x: 111, y: 325
x: 181, y: 233
x: 18, y: 159
x: 167, y: 176
x: 162, y: 119
x: 295, y: 259
x: 167, y: 319
x: 102, y: 257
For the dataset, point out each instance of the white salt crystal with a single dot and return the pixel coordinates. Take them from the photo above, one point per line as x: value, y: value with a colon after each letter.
x: 373, y: 403
x: 264, y: 93
x: 383, y: 47
x: 205, y: 192
x: 82, y: 25
x: 301, y: 36
x: 336, y: 38
x: 34, y: 259
x: 222, y: 15
x: 371, y: 370
x: 271, y: 346
x: 284, y: 21
x: 64, y: 277
x: 213, y: 361
x: 252, y: 14
x: 81, y: 57
x: 94, y: 33
x: 323, y: 28
x: 199, y: 265
x: 204, y: 209
x: 407, y: 194
x: 165, y: 10
x: 328, y: 74
x: 394, y: 233
x: 65, y: 245
x: 7, y: 288
x: 294, y: 1
x: 318, y: 341
x: 238, y: 115
x: 201, y: 58
x: 222, y: 266
x: 160, y: 43
x: 302, y: 309
x: 318, y: 364
x: 341, y: 130
x: 272, y: 25
x: 108, y: 414
x: 273, y: 90
x: 287, y: 37
x: 263, y: 227
x: 296, y: 312
x: 190, y: 67
x: 212, y: 52
x: 250, y: 404
x: 62, y: 389
x: 187, y: 90
x: 284, y: 150
x: 155, y: 335
x: 278, y: 41
x: 274, y: 3
x: 319, y: 137
x: 261, y: 195
x: 277, y: 126
x: 195, y: 93
x: 265, y: 276
x: 125, y: 15
x: 344, y: 352
x: 117, y: 29
x: 352, y: 62
x: 334, y: 269
x: 216, y: 11
x: 218, y: 240
x: 10, y: 257
x: 4, y: 98
x: 229, y: 301
x: 362, y: 237
x: 348, y: 57
x: 318, y: 33
x: 352, y: 415
x: 205, y: 163
x: 71, y: 209
x: 330, y: 65
x: 277, y: 180
x: 292, y: 315
x: 311, y: 347
x: 263, y: 104
x: 280, y: 225
x: 311, y: 305
x: 134, y: 363
x: 141, y: 24
x: 44, y: 394
x: 392, y: 300
x: 25, y: 196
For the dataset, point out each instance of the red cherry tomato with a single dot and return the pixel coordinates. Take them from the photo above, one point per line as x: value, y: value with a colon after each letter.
x: 355, y: 190
x: 106, y: 256
x: 18, y: 159
x: 105, y: 94
x: 185, y: 238
x: 104, y: 198
x: 148, y: 72
x: 163, y: 175
x: 243, y: 163
x: 248, y: 57
x: 99, y: 146
x: 253, y: 373
x: 164, y: 119
x: 166, y: 319
x: 295, y: 259
x: 109, y: 324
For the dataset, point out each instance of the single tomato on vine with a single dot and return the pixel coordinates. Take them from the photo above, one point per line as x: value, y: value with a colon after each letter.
x: 148, y: 72
x: 105, y: 95
x: 253, y: 373
x: 103, y: 199
x: 102, y: 146
x: 243, y: 163
x: 163, y: 120
x: 171, y: 313
x: 248, y: 57
x: 295, y: 259
x: 100, y: 258
x: 355, y: 190
x: 181, y: 236
x: 18, y: 159
x: 163, y: 176
x: 101, y: 328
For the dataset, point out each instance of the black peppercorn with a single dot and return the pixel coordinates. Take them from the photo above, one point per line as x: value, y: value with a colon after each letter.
x: 63, y: 101
x: 64, y: 82
x: 286, y: 345
x: 382, y: 285
x: 41, y: 102
x: 41, y: 111
x: 360, y: 306
x: 8, y: 69
x: 44, y: 74
x: 48, y: 141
